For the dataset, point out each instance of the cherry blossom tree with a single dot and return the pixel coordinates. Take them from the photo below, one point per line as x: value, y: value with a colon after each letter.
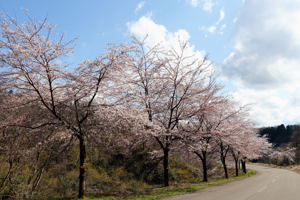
x: 133, y: 91
x: 249, y: 145
x: 170, y: 84
x: 283, y: 156
x: 32, y: 66
x: 22, y: 144
x: 199, y: 135
x: 223, y: 130
x: 203, y: 145
x: 237, y: 135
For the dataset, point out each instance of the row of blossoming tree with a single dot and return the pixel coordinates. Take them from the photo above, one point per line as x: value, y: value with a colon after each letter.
x: 133, y: 93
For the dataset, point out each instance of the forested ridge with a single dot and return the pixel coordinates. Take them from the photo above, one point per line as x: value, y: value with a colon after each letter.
x: 279, y: 135
x: 286, y: 139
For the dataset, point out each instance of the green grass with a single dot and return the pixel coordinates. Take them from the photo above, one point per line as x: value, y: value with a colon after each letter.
x: 158, y: 193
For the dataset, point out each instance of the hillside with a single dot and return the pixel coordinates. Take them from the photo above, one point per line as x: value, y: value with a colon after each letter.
x: 283, y: 137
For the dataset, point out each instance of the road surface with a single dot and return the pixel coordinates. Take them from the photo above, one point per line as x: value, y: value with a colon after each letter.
x: 267, y: 184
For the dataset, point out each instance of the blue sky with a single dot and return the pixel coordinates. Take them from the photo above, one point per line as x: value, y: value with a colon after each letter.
x: 255, y: 44
x: 97, y: 23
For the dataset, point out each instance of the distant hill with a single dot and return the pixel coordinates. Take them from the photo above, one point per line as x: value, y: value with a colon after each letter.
x: 279, y: 135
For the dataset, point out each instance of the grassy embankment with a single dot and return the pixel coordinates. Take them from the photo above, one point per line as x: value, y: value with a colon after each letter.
x: 157, y: 193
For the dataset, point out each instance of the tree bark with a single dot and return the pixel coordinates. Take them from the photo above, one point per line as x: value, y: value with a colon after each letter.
x: 223, y: 154
x: 225, y: 168
x: 204, y: 165
x: 236, y: 162
x: 82, y: 156
x: 244, y: 166
x: 166, y: 167
x: 235, y: 156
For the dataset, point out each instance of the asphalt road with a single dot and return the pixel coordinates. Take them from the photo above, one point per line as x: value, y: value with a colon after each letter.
x: 267, y: 184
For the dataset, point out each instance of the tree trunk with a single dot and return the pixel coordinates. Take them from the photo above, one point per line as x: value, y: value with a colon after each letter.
x: 235, y: 156
x: 225, y: 168
x: 166, y: 167
x: 204, y: 170
x: 223, y: 153
x: 82, y: 156
x: 244, y: 166
x: 236, y: 161
x: 203, y: 159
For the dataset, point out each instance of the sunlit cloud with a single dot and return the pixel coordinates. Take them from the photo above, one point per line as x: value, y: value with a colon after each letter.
x: 265, y: 61
x: 206, y: 5
x: 139, y: 6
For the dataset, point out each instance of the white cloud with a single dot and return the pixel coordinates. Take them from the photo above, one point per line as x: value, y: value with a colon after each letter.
x: 145, y: 26
x: 206, y: 5
x: 270, y: 107
x: 221, y: 16
x: 210, y: 29
x: 265, y: 61
x: 194, y: 3
x: 223, y: 27
x: 155, y: 34
x: 216, y: 28
x: 139, y: 6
